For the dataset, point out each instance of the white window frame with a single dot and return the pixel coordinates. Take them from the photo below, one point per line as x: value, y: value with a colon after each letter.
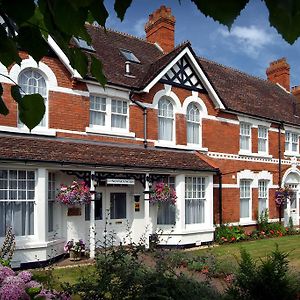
x: 249, y: 136
x: 45, y: 97
x: 101, y: 111
x: 197, y: 122
x: 261, y: 191
x: 51, y: 196
x: 249, y: 218
x: 203, y: 197
x: 264, y: 138
x: 289, y: 142
x: 22, y: 200
x: 107, y: 128
x: 173, y: 118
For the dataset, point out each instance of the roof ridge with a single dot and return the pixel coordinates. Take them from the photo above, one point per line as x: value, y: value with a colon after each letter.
x: 121, y: 33
x: 236, y: 70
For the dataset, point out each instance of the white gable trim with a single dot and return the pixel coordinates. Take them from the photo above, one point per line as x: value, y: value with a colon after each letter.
x: 63, y: 58
x: 217, y: 101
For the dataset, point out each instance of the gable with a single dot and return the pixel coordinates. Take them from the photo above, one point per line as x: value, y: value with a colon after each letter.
x: 183, y: 75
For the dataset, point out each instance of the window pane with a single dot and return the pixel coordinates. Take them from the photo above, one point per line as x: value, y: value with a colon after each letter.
x: 98, y: 208
x: 118, y: 121
x: 166, y: 214
x: 165, y: 129
x: 193, y: 133
x: 244, y: 209
x: 118, y: 205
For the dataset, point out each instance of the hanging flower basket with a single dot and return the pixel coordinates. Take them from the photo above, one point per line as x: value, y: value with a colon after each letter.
x: 282, y: 195
x: 162, y: 193
x: 76, y: 194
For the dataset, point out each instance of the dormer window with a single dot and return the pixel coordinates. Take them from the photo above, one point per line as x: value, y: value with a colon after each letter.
x: 129, y: 56
x: 82, y: 44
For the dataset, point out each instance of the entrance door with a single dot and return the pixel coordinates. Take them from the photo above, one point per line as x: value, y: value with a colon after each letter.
x: 294, y: 204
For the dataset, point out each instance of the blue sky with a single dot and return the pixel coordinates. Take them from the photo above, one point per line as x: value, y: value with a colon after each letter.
x: 250, y: 45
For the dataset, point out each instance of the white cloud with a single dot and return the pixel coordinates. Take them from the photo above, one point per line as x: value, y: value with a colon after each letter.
x: 251, y: 40
x: 138, y: 27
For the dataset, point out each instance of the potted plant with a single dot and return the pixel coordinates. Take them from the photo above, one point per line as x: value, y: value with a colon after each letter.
x: 74, y: 249
x: 74, y: 195
x: 281, y: 196
x: 163, y: 193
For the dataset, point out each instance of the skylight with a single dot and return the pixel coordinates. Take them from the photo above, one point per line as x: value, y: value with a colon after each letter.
x: 83, y: 44
x: 129, y: 56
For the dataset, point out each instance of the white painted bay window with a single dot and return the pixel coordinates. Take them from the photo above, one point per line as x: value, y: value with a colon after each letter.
x: 166, y: 214
x: 245, y: 199
x: 262, y: 196
x: 245, y: 136
x: 262, y: 139
x: 193, y: 124
x: 17, y: 195
x: 165, y: 120
x: 291, y: 142
x: 51, y: 200
x: 195, y: 200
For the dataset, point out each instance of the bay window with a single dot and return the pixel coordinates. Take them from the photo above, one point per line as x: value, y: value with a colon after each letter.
x: 262, y: 196
x: 262, y: 139
x: 195, y: 200
x: 17, y: 195
x: 165, y: 120
x: 245, y: 136
x: 166, y: 214
x: 193, y: 124
x: 245, y: 199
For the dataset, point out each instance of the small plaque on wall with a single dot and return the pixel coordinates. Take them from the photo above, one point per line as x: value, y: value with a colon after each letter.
x: 74, y: 211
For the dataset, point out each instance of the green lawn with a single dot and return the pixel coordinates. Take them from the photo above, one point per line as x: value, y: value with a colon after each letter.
x: 229, y: 253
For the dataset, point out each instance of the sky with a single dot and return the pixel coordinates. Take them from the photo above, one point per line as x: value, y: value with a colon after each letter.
x: 249, y: 46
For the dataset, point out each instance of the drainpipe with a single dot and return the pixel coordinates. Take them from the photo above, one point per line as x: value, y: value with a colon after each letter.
x: 144, y: 108
x: 280, y: 126
x: 220, y: 197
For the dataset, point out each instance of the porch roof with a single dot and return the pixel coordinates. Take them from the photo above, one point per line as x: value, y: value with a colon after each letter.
x: 94, y: 154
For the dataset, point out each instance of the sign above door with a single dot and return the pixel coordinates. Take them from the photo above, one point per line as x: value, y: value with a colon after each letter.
x: 120, y: 181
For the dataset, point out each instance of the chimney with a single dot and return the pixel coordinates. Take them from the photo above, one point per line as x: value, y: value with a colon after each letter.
x: 279, y: 72
x: 160, y: 28
x: 296, y: 91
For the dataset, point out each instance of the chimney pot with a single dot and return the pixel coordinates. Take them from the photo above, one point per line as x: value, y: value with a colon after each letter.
x: 279, y: 72
x: 160, y: 28
x: 127, y: 68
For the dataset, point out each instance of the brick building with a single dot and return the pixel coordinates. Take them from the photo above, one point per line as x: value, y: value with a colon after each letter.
x: 223, y: 139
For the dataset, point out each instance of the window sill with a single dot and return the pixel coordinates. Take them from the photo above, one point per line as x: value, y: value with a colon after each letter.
x: 247, y: 222
x: 35, y: 131
x: 288, y: 153
x: 165, y: 144
x: 248, y: 153
x: 114, y: 132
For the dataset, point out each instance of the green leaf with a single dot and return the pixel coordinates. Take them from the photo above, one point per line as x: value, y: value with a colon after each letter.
x: 37, y: 20
x: 99, y: 12
x: 121, y: 7
x: 3, y: 108
x: 284, y: 15
x: 31, y: 40
x: 8, y: 49
x: 19, y: 11
x: 31, y: 110
x: 97, y: 71
x: 79, y: 61
x: 224, y: 12
x: 15, y: 93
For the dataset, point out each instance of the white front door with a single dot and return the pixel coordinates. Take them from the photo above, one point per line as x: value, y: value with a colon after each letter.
x: 292, y: 207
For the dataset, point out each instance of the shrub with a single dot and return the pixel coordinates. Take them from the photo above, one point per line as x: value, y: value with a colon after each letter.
x: 225, y: 233
x: 271, y: 279
x: 206, y: 264
x: 263, y: 220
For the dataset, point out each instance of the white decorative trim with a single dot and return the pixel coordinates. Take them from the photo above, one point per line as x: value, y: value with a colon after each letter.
x: 166, y: 144
x: 64, y: 90
x: 260, y: 154
x: 186, y: 51
x: 219, y: 119
x: 108, y: 91
x: 254, y: 122
x: 31, y: 63
x: 171, y: 95
x: 292, y: 129
x: 36, y: 131
x: 227, y: 185
x: 291, y: 170
x: 63, y: 58
x: 197, y: 100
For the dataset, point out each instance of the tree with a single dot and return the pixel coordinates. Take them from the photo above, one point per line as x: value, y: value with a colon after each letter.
x: 34, y: 20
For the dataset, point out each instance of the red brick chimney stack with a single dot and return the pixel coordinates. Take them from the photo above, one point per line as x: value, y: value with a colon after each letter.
x: 279, y: 72
x: 160, y: 28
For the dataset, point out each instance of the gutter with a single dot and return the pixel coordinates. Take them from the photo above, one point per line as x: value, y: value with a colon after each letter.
x: 144, y: 108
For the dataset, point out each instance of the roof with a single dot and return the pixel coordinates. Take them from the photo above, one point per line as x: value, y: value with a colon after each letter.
x: 66, y: 151
x: 238, y: 91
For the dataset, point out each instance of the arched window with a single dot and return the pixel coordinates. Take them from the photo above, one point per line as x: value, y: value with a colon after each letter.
x: 165, y: 120
x: 193, y: 124
x: 32, y: 81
